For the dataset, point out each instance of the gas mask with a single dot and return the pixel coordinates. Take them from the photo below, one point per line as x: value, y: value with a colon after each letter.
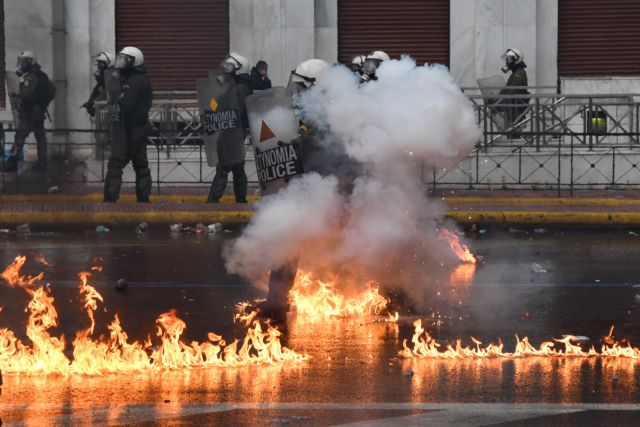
x: 230, y: 65
x: 370, y: 66
x: 509, y: 62
x: 22, y: 65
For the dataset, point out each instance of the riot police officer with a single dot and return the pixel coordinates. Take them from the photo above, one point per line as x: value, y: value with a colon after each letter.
x: 516, y: 85
x: 282, y: 278
x: 371, y: 65
x: 36, y: 93
x: 129, y: 125
x: 237, y: 66
x: 356, y: 64
x: 104, y: 61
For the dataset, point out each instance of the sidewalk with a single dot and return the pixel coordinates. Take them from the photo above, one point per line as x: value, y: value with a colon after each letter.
x: 186, y: 205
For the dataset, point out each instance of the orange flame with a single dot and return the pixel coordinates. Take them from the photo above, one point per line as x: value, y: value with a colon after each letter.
x: 425, y: 346
x: 315, y: 299
x: 12, y: 276
x: 42, y: 260
x: 115, y: 354
x: 460, y: 249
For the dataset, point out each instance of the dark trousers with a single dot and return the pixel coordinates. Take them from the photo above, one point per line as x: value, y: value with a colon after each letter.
x: 281, y: 281
x: 128, y: 144
x: 219, y: 184
x: 31, y: 119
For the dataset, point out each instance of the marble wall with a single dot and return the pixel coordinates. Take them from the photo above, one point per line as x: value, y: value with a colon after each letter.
x: 481, y: 31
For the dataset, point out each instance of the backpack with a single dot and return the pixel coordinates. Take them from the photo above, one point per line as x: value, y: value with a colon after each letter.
x: 46, y: 90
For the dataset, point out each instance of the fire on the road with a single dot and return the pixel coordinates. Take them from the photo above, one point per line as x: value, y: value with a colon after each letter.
x: 423, y: 345
x: 115, y: 354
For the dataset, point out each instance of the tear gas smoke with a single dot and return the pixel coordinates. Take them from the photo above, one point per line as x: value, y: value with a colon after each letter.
x: 383, y: 227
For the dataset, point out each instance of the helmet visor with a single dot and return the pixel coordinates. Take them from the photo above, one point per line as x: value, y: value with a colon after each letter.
x: 370, y: 66
x: 124, y: 61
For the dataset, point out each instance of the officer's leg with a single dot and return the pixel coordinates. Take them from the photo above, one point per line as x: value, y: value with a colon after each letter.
x: 141, y: 164
x: 240, y: 182
x: 280, y: 283
x: 219, y: 183
x: 23, y: 131
x: 117, y: 161
x: 41, y: 138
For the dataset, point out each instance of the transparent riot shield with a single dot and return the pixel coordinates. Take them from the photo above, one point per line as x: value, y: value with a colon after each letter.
x: 274, y: 131
x: 112, y: 84
x: 221, y: 120
x: 13, y: 90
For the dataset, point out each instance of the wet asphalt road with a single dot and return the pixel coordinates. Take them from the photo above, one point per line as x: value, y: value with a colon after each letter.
x: 540, y: 285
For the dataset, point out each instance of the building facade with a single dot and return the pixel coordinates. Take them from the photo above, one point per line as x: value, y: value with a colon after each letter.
x: 579, y: 46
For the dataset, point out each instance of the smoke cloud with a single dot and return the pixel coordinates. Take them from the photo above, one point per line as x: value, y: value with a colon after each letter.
x: 377, y: 223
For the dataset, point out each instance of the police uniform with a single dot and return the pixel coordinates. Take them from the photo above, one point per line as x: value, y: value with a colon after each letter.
x: 225, y: 164
x: 31, y: 117
x: 129, y: 131
x: 515, y: 106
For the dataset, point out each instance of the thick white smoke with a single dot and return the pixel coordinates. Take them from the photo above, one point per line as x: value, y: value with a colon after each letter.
x: 383, y: 227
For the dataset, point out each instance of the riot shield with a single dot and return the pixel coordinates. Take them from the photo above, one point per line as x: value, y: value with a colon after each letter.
x: 13, y: 90
x: 274, y: 130
x: 112, y: 84
x: 221, y: 120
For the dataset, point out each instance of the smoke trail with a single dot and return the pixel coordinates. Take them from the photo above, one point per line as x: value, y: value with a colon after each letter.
x: 384, y: 227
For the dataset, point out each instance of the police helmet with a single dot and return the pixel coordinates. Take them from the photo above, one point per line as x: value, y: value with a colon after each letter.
x: 129, y: 57
x: 235, y: 63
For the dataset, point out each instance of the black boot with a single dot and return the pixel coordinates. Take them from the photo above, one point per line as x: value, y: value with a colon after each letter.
x: 11, y: 164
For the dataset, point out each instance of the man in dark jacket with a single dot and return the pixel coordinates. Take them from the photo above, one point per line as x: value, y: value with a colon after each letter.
x: 260, y: 76
x: 237, y: 66
x: 35, y: 93
x: 514, y: 107
x: 131, y: 101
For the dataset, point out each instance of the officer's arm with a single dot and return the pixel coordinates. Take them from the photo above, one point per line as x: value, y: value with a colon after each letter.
x: 28, y: 87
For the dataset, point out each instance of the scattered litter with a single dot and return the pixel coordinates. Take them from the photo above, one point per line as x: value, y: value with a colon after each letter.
x: 537, y: 268
x: 23, y: 229
x: 301, y: 418
x: 632, y: 233
x: 54, y: 190
x: 122, y: 285
x: 4, y: 231
x: 227, y: 231
x: 540, y: 230
x: 176, y: 228
x: 280, y: 421
x: 483, y: 231
x: 597, y: 280
x: 200, y: 228
x: 215, y: 228
x: 580, y: 339
x: 102, y: 229
x: 514, y: 230
x: 142, y: 228
x: 167, y: 401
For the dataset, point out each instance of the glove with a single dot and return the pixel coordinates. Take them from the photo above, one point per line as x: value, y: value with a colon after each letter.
x: 90, y: 107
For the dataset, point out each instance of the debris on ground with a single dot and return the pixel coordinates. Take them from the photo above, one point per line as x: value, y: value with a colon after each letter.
x: 200, y: 228
x: 215, y: 228
x: 514, y: 230
x: 23, y: 229
x: 142, y: 228
x: 633, y: 233
x: 54, y: 190
x: 537, y: 268
x: 100, y: 229
x: 540, y: 230
x: 122, y: 285
x: 176, y: 228
x: 4, y: 231
x: 301, y: 418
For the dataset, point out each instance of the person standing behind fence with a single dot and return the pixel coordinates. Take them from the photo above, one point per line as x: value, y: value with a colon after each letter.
x: 237, y: 66
x: 36, y: 93
x: 104, y: 60
x: 260, y: 76
x: 514, y: 107
x: 129, y: 125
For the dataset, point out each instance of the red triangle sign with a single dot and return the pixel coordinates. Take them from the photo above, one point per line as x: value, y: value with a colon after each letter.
x: 266, y: 133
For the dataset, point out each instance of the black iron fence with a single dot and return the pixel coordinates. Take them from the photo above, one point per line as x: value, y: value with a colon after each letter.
x: 547, y: 141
